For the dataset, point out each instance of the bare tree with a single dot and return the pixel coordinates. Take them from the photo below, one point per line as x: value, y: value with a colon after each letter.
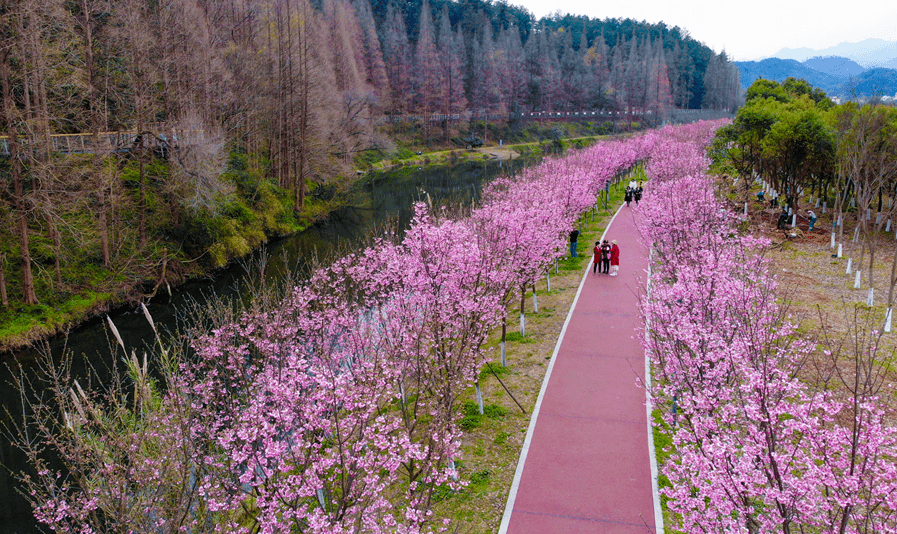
x: 4, y: 298
x: 11, y: 119
x: 197, y: 165
x: 426, y: 69
x: 354, y: 129
x: 137, y: 42
x: 868, y: 158
x: 451, y: 89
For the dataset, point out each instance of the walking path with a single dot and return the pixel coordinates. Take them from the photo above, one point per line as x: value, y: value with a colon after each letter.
x: 585, y: 464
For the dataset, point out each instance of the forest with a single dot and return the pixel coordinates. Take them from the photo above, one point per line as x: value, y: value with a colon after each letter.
x: 137, y: 137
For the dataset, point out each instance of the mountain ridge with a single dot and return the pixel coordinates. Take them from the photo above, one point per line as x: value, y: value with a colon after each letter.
x: 878, y: 81
x: 869, y: 53
x: 779, y: 69
x: 835, y: 65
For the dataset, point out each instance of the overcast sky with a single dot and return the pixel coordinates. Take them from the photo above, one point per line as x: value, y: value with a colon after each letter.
x: 746, y: 30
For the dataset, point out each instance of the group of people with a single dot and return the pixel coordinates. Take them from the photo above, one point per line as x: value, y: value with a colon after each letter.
x: 633, y: 192
x: 774, y: 200
x: 785, y: 218
x: 606, y: 257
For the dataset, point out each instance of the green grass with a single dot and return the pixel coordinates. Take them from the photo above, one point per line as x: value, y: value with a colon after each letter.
x: 517, y: 338
x: 544, y: 312
x: 16, y: 322
x: 497, y: 368
x: 472, y: 418
x: 663, y: 449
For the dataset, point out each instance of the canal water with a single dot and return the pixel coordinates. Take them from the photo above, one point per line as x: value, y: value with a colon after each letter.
x: 385, y: 200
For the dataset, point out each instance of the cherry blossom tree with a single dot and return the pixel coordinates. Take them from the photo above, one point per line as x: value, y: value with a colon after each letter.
x: 760, y: 443
x: 336, y: 407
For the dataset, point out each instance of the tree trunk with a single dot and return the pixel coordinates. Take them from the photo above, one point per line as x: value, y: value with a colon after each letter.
x: 892, y: 281
x: 141, y: 217
x: 21, y: 222
x: 104, y: 224
x: 57, y: 250
x: 95, y: 127
x: 4, y: 299
x: 304, y: 113
x: 28, y: 294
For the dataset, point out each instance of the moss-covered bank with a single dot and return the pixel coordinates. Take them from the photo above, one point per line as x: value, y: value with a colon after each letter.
x: 190, y: 229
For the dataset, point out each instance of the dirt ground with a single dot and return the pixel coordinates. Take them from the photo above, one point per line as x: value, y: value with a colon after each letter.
x: 813, y: 281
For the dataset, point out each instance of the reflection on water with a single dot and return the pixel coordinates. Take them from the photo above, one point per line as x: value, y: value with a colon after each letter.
x: 385, y: 199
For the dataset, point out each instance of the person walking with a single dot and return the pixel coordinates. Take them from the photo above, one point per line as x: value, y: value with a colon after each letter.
x: 628, y: 196
x: 574, y: 235
x: 614, y: 258
x: 637, y: 195
x: 605, y: 257
x: 812, y: 216
x: 596, y: 257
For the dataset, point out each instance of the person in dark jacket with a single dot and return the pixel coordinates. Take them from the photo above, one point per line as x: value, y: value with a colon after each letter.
x: 574, y: 235
x: 783, y: 220
x: 628, y: 196
x: 605, y: 257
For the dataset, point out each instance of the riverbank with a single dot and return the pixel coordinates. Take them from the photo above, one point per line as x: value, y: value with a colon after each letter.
x: 101, y: 291
x: 94, y: 290
x: 375, y: 200
x: 501, y: 152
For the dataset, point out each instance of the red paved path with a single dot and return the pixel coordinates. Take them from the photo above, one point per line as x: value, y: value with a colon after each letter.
x: 587, y: 467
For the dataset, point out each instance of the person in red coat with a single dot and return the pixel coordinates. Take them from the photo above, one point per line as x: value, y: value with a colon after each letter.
x: 614, y: 258
x: 596, y: 257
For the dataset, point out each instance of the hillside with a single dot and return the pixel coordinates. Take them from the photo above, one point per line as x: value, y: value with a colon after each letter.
x: 780, y: 69
x: 223, y: 127
x: 868, y: 52
x: 835, y: 65
x: 877, y: 81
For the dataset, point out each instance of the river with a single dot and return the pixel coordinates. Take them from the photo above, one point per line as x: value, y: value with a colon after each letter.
x: 386, y: 198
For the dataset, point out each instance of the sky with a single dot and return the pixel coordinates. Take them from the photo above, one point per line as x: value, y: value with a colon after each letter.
x: 745, y: 30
